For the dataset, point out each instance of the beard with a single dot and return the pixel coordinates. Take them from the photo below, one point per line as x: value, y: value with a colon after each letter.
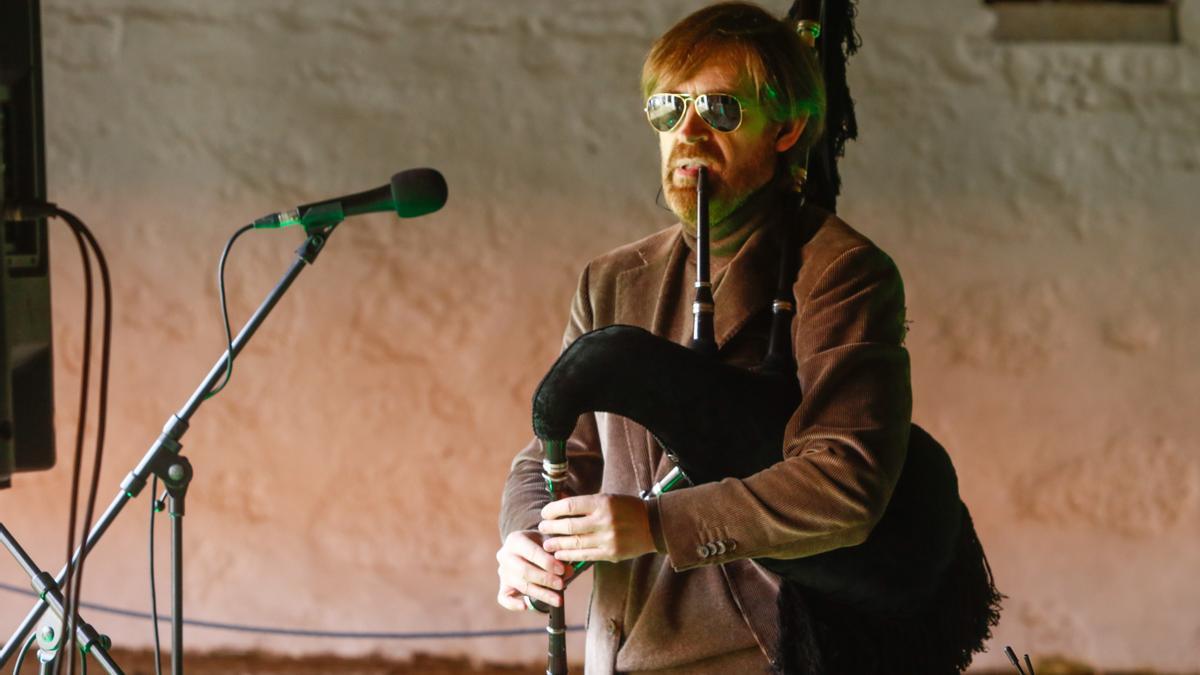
x: 682, y: 200
x: 727, y: 190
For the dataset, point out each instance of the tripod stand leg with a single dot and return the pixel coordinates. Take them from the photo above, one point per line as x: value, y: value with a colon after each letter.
x: 50, y: 636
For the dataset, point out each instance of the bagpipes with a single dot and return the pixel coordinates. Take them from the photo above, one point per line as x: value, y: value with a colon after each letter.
x: 917, y: 595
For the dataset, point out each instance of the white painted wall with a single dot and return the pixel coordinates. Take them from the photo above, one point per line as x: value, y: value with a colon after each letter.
x: 1039, y: 200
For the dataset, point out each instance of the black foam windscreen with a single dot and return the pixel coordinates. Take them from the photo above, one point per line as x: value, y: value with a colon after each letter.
x: 417, y: 192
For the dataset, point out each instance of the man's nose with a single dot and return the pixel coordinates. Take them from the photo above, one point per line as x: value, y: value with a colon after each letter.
x: 691, y: 127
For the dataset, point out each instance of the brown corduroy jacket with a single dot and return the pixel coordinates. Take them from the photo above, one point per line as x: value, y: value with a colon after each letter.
x: 700, y: 605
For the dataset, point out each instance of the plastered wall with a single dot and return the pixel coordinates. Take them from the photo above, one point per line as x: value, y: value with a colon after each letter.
x: 1039, y: 200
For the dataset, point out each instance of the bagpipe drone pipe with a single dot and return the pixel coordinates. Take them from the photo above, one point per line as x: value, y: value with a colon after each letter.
x: 915, y: 597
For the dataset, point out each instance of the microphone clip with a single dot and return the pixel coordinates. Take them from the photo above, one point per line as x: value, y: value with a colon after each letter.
x: 313, y: 217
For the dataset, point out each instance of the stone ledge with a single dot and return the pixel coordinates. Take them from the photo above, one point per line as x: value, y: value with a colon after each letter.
x: 1085, y: 22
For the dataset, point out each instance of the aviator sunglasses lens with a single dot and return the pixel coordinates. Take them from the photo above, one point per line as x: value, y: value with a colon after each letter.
x: 665, y: 110
x: 721, y: 111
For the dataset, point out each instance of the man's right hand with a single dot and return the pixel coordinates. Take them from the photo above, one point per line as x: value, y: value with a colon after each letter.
x: 527, y: 569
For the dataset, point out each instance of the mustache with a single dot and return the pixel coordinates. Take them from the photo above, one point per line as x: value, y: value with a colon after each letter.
x: 680, y: 156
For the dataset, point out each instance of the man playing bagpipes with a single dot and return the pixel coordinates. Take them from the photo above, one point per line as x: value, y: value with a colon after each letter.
x: 847, y: 550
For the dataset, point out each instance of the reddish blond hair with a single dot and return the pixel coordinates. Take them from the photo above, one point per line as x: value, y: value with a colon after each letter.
x: 783, y: 70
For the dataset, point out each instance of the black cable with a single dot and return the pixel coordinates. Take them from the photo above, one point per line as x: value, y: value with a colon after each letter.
x: 75, y: 582
x: 155, y: 507
x: 305, y: 632
x: 225, y: 311
x: 156, y: 502
x: 68, y: 598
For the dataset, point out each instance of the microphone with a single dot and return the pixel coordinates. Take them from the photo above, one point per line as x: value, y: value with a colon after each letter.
x: 411, y: 193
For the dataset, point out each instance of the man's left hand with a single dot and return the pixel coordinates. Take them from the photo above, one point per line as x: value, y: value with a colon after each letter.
x: 597, y: 527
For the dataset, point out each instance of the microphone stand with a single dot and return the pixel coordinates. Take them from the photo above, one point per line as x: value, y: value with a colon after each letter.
x: 49, y: 640
x: 163, y: 460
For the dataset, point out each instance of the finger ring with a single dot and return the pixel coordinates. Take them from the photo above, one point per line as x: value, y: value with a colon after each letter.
x: 529, y: 604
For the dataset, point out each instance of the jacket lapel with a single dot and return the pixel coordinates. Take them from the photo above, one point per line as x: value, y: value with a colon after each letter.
x: 641, y: 291
x: 749, y: 283
x: 642, y: 295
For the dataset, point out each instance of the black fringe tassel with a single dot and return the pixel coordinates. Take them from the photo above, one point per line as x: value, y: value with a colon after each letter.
x: 838, y: 41
x: 821, y: 637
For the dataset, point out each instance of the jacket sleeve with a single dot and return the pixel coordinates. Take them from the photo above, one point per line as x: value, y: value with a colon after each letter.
x: 525, y: 489
x: 844, y: 446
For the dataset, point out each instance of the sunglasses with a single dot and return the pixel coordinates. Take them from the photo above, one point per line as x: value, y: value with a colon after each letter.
x: 722, y: 112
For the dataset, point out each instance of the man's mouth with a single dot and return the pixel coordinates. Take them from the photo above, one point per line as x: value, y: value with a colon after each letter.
x: 689, y: 168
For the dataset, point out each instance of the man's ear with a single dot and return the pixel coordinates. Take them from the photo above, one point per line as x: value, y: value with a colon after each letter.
x: 789, y: 133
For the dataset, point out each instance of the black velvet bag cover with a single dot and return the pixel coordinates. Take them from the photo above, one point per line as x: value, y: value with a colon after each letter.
x: 915, y: 597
